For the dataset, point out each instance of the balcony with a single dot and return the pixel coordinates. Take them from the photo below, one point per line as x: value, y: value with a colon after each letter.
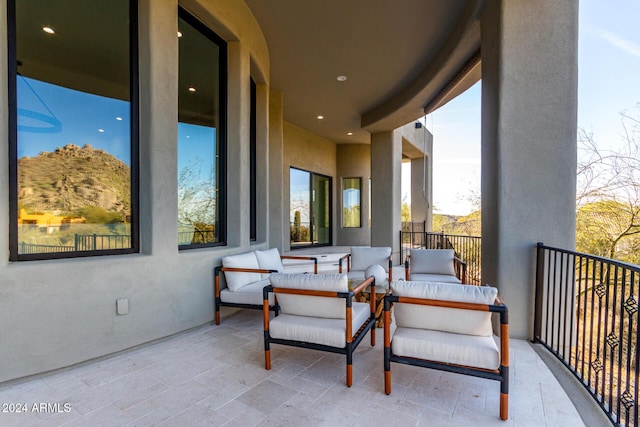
x: 215, y: 375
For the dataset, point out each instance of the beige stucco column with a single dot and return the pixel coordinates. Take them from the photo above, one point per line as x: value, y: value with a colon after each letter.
x: 529, y: 110
x: 278, y: 214
x: 386, y: 197
x: 421, y: 190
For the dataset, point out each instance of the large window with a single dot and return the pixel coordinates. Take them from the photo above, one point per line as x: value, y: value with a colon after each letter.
x: 201, y: 135
x: 351, y: 202
x: 73, y: 128
x: 309, y: 208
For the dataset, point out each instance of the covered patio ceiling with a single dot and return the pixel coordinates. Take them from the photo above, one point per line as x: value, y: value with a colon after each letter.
x: 399, y: 58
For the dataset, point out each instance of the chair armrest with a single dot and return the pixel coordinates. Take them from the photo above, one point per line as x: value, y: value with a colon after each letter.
x: 348, y: 258
x: 308, y: 258
x: 461, y: 269
x: 367, y: 282
x: 218, y: 269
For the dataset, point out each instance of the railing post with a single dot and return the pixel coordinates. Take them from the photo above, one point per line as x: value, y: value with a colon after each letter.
x: 537, y: 319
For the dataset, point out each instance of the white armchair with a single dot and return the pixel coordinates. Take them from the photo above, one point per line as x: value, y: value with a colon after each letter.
x: 435, y: 265
x: 245, y: 275
x: 318, y: 312
x: 362, y: 257
x: 448, y: 327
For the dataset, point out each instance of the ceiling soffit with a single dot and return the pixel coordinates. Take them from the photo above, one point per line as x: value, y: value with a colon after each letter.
x: 397, y: 56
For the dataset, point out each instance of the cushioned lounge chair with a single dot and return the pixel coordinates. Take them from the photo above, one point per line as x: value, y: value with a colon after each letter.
x: 318, y: 312
x: 447, y: 326
x: 246, y: 275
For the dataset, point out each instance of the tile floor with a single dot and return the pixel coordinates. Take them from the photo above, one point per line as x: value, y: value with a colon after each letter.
x: 214, y: 376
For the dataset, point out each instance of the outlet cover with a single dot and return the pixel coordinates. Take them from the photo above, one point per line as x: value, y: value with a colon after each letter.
x: 122, y: 306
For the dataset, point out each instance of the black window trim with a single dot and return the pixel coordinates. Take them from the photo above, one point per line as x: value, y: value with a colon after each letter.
x: 221, y: 139
x: 13, y: 144
x: 253, y: 232
x: 330, y: 178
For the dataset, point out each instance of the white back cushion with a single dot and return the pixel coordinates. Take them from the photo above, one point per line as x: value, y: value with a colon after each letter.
x: 459, y: 321
x: 304, y: 305
x: 433, y: 261
x: 237, y: 280
x: 364, y: 256
x: 269, y: 260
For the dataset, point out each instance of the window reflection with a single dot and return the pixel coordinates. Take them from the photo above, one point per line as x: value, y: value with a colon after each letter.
x: 73, y: 120
x: 200, y: 148
x: 351, y: 202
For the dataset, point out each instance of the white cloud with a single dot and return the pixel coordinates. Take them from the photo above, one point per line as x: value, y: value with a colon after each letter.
x: 628, y: 46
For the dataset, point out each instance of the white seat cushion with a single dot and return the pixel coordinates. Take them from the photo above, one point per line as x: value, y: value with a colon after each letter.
x: 364, y: 256
x: 432, y: 261
x: 312, y: 306
x: 442, y: 278
x: 470, y: 322
x: 465, y: 350
x: 237, y: 280
x: 356, y: 275
x: 248, y: 294
x: 331, y: 332
x: 269, y: 260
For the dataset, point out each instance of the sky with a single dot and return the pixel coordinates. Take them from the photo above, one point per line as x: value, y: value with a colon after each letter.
x: 608, y: 84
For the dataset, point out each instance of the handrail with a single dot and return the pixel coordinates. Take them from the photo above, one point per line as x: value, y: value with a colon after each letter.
x: 586, y: 315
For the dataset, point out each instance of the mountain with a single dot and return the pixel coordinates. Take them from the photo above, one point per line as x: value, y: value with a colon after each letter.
x: 71, y: 178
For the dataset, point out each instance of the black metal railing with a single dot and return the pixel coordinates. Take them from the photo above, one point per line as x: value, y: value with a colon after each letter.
x: 95, y: 242
x: 467, y: 248
x: 586, y: 314
x: 34, y: 248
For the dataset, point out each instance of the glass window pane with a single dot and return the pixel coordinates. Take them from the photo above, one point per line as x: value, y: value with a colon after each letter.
x: 74, y: 150
x: 300, y: 207
x: 351, y: 202
x: 200, y: 137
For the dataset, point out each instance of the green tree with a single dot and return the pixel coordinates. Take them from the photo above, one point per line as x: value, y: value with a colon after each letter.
x: 608, y: 194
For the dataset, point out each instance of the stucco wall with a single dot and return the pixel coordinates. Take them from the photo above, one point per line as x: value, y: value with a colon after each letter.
x: 60, y: 312
x: 354, y: 161
x: 307, y: 151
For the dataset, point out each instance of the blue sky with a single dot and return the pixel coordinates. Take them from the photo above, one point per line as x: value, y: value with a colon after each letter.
x: 57, y: 116
x: 608, y: 83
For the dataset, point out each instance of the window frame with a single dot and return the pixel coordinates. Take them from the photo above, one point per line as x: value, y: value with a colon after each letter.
x: 253, y: 126
x: 311, y: 219
x: 134, y: 125
x: 359, y: 180
x: 221, y: 131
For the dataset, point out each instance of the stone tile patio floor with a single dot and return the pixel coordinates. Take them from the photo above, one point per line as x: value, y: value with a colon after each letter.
x: 215, y: 376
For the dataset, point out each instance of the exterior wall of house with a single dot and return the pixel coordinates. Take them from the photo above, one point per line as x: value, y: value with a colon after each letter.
x: 58, y: 313
x: 307, y: 151
x: 354, y: 161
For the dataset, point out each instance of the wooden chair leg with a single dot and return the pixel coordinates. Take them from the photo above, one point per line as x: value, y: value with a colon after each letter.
x: 349, y: 374
x: 387, y: 382
x: 267, y: 359
x: 504, y: 406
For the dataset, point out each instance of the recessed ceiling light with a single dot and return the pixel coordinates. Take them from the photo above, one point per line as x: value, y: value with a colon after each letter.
x: 48, y: 30
x: 191, y: 89
x: 320, y: 117
x: 101, y: 130
x: 341, y: 78
x: 119, y: 119
x: 179, y: 34
x: 349, y: 133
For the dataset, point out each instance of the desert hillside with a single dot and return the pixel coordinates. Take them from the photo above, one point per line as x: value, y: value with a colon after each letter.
x: 71, y: 178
